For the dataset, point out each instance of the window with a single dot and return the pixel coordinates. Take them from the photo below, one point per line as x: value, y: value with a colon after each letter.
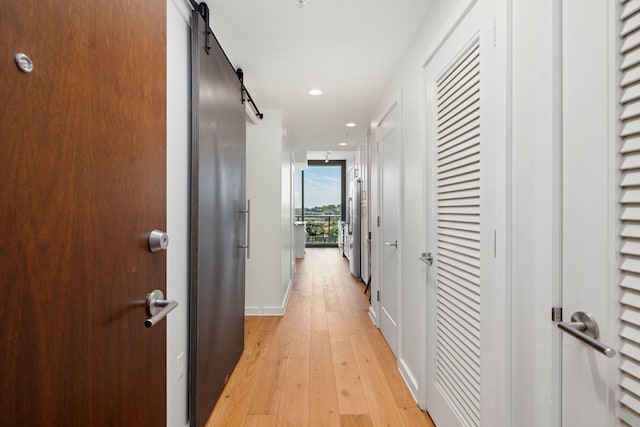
x: 319, y: 200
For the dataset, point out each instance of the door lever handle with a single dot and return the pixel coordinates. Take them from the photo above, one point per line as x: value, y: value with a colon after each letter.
x: 394, y: 244
x: 584, y: 327
x: 158, y: 307
x: 426, y: 257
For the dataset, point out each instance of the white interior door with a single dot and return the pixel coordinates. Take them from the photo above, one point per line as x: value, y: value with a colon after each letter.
x: 589, y: 191
x: 390, y: 177
x: 467, y: 304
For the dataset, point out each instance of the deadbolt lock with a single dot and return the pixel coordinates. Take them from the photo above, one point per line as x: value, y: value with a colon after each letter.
x: 158, y: 241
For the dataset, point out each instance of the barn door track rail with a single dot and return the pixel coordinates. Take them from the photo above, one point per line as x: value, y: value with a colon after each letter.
x: 203, y: 10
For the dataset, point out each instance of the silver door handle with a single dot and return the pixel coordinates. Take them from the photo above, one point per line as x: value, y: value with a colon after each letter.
x: 394, y: 244
x: 158, y: 307
x: 248, y: 237
x: 584, y: 327
x: 426, y: 257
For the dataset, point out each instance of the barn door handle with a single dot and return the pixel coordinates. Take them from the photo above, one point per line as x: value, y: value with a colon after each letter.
x: 248, y: 237
x: 394, y: 244
x: 584, y: 327
x: 158, y: 307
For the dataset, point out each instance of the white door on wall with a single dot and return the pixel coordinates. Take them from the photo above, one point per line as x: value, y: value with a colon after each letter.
x: 589, y: 221
x: 389, y: 145
x: 467, y: 333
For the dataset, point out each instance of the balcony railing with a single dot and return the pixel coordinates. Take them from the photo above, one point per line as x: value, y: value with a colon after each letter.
x: 321, y: 230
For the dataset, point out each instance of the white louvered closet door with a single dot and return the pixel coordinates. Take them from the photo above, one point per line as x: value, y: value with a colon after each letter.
x: 630, y: 218
x: 458, y: 233
x: 590, y: 212
x: 463, y: 110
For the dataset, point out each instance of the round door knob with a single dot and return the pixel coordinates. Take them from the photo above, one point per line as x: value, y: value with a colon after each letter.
x: 158, y: 241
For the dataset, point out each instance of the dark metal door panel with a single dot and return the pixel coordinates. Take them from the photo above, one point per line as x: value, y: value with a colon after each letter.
x: 83, y: 179
x: 218, y: 196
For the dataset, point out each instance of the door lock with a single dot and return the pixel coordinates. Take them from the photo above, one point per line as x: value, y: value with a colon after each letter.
x: 158, y: 241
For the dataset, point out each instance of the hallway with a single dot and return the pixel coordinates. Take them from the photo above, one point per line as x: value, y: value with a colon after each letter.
x: 323, y: 363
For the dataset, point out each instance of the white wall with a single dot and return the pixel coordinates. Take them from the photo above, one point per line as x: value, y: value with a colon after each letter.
x: 268, y: 188
x: 407, y: 86
x: 178, y: 160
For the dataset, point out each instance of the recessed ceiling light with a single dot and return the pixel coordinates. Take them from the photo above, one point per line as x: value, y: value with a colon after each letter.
x: 350, y: 125
x: 315, y: 92
x: 343, y: 143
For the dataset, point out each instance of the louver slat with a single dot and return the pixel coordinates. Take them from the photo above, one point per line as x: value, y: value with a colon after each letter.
x: 630, y: 76
x: 630, y: 316
x: 630, y: 92
x: 630, y: 144
x: 631, y: 368
x: 631, y: 334
x: 631, y: 281
x: 631, y: 179
x: 630, y: 8
x: 630, y: 25
x: 458, y: 227
x: 630, y: 216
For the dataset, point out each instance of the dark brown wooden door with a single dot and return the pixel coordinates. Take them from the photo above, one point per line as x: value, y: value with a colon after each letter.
x: 82, y: 158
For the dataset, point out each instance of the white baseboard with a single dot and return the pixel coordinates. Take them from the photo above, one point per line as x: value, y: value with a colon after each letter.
x: 270, y: 310
x: 285, y: 300
x: 373, y: 316
x: 408, y: 379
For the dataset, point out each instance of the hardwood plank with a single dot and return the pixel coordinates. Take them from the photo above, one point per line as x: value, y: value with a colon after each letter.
x: 265, y: 400
x: 319, y: 317
x: 349, y: 388
x: 415, y: 417
x: 232, y: 406
x: 323, y: 407
x: 382, y: 405
x: 301, y: 332
x: 360, y: 420
x: 389, y: 364
x: 260, y: 421
x: 331, y: 300
x: 294, y: 402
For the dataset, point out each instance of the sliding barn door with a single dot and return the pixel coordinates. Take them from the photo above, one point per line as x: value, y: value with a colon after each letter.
x: 466, y: 329
x: 218, y: 221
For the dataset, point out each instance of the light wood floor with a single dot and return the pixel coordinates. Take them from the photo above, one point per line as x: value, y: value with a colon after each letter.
x: 322, y: 364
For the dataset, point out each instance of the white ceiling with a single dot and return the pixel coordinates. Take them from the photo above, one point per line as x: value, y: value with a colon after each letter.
x: 347, y: 48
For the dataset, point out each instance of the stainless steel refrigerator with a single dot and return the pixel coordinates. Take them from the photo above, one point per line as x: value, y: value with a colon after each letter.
x: 354, y: 226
